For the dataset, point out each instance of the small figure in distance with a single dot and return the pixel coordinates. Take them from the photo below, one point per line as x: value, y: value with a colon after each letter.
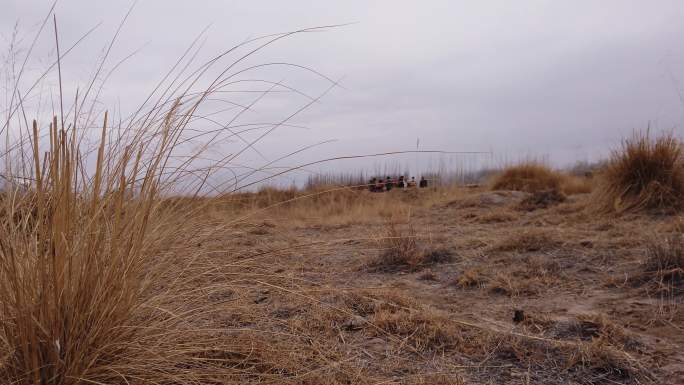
x: 412, y: 182
x: 401, y: 183
x: 423, y: 182
x: 371, y: 184
x: 380, y: 185
x: 389, y: 183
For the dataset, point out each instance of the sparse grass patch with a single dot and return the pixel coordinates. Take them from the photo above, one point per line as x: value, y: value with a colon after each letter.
x: 437, y: 379
x: 598, y: 358
x: 365, y: 303
x: 472, y: 277
x: 598, y: 326
x: 644, y: 174
x: 428, y: 275
x: 422, y: 330
x: 528, y: 241
x: 399, y: 249
x: 543, y: 268
x: 571, y: 184
x: 507, y: 284
x: 498, y: 216
x: 541, y: 200
x: 664, y: 264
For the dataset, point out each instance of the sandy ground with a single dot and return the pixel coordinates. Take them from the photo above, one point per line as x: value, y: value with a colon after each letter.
x: 309, y: 305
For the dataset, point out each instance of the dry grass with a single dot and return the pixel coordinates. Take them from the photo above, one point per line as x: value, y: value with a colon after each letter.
x: 438, y: 379
x: 528, y: 177
x: 77, y: 293
x: 330, y: 206
x: 528, y: 241
x: 101, y: 281
x: 590, y: 348
x: 498, y: 216
x: 664, y: 262
x: 400, y: 249
x: 541, y: 200
x: 644, y: 174
x: 572, y: 184
x: 421, y: 330
x: 530, y: 275
x: 428, y: 275
x: 536, y: 177
x: 472, y: 277
x: 507, y: 284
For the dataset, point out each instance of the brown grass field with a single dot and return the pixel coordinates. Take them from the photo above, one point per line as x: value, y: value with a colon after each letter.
x: 442, y: 286
x: 116, y: 269
x: 449, y: 285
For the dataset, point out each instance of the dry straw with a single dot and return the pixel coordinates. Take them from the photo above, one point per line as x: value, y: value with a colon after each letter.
x: 645, y: 173
x: 91, y: 290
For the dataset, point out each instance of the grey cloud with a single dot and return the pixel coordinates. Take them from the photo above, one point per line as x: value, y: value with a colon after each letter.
x: 566, y: 79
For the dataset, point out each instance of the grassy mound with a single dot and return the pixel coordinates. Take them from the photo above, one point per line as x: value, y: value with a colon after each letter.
x: 529, y: 177
x: 644, y: 174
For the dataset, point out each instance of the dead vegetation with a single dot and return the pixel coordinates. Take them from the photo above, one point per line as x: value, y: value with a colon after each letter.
x: 331, y: 206
x: 470, y: 278
x: 419, y: 329
x: 302, y: 332
x: 541, y: 200
x: 644, y: 174
x: 529, y: 177
x: 530, y: 276
x: 104, y: 280
x: 402, y: 249
x: 528, y: 241
x: 498, y: 216
x: 573, y: 184
x: 79, y: 266
x: 586, y: 348
x: 664, y: 263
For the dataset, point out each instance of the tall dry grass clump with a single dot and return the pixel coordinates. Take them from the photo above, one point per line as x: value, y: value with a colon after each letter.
x: 527, y: 176
x: 644, y: 174
x: 74, y: 290
x: 81, y: 258
x: 99, y: 282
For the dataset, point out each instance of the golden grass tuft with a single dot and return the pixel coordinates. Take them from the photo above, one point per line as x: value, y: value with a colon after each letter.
x: 100, y: 278
x: 78, y: 300
x: 528, y: 177
x: 535, y: 177
x: 644, y: 174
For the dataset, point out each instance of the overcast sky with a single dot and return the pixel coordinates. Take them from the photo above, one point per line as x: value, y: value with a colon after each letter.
x: 520, y: 78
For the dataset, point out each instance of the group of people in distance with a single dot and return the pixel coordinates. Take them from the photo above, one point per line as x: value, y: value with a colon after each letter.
x: 387, y: 184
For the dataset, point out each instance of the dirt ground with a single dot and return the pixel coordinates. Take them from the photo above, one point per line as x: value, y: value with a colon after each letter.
x: 502, y: 292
